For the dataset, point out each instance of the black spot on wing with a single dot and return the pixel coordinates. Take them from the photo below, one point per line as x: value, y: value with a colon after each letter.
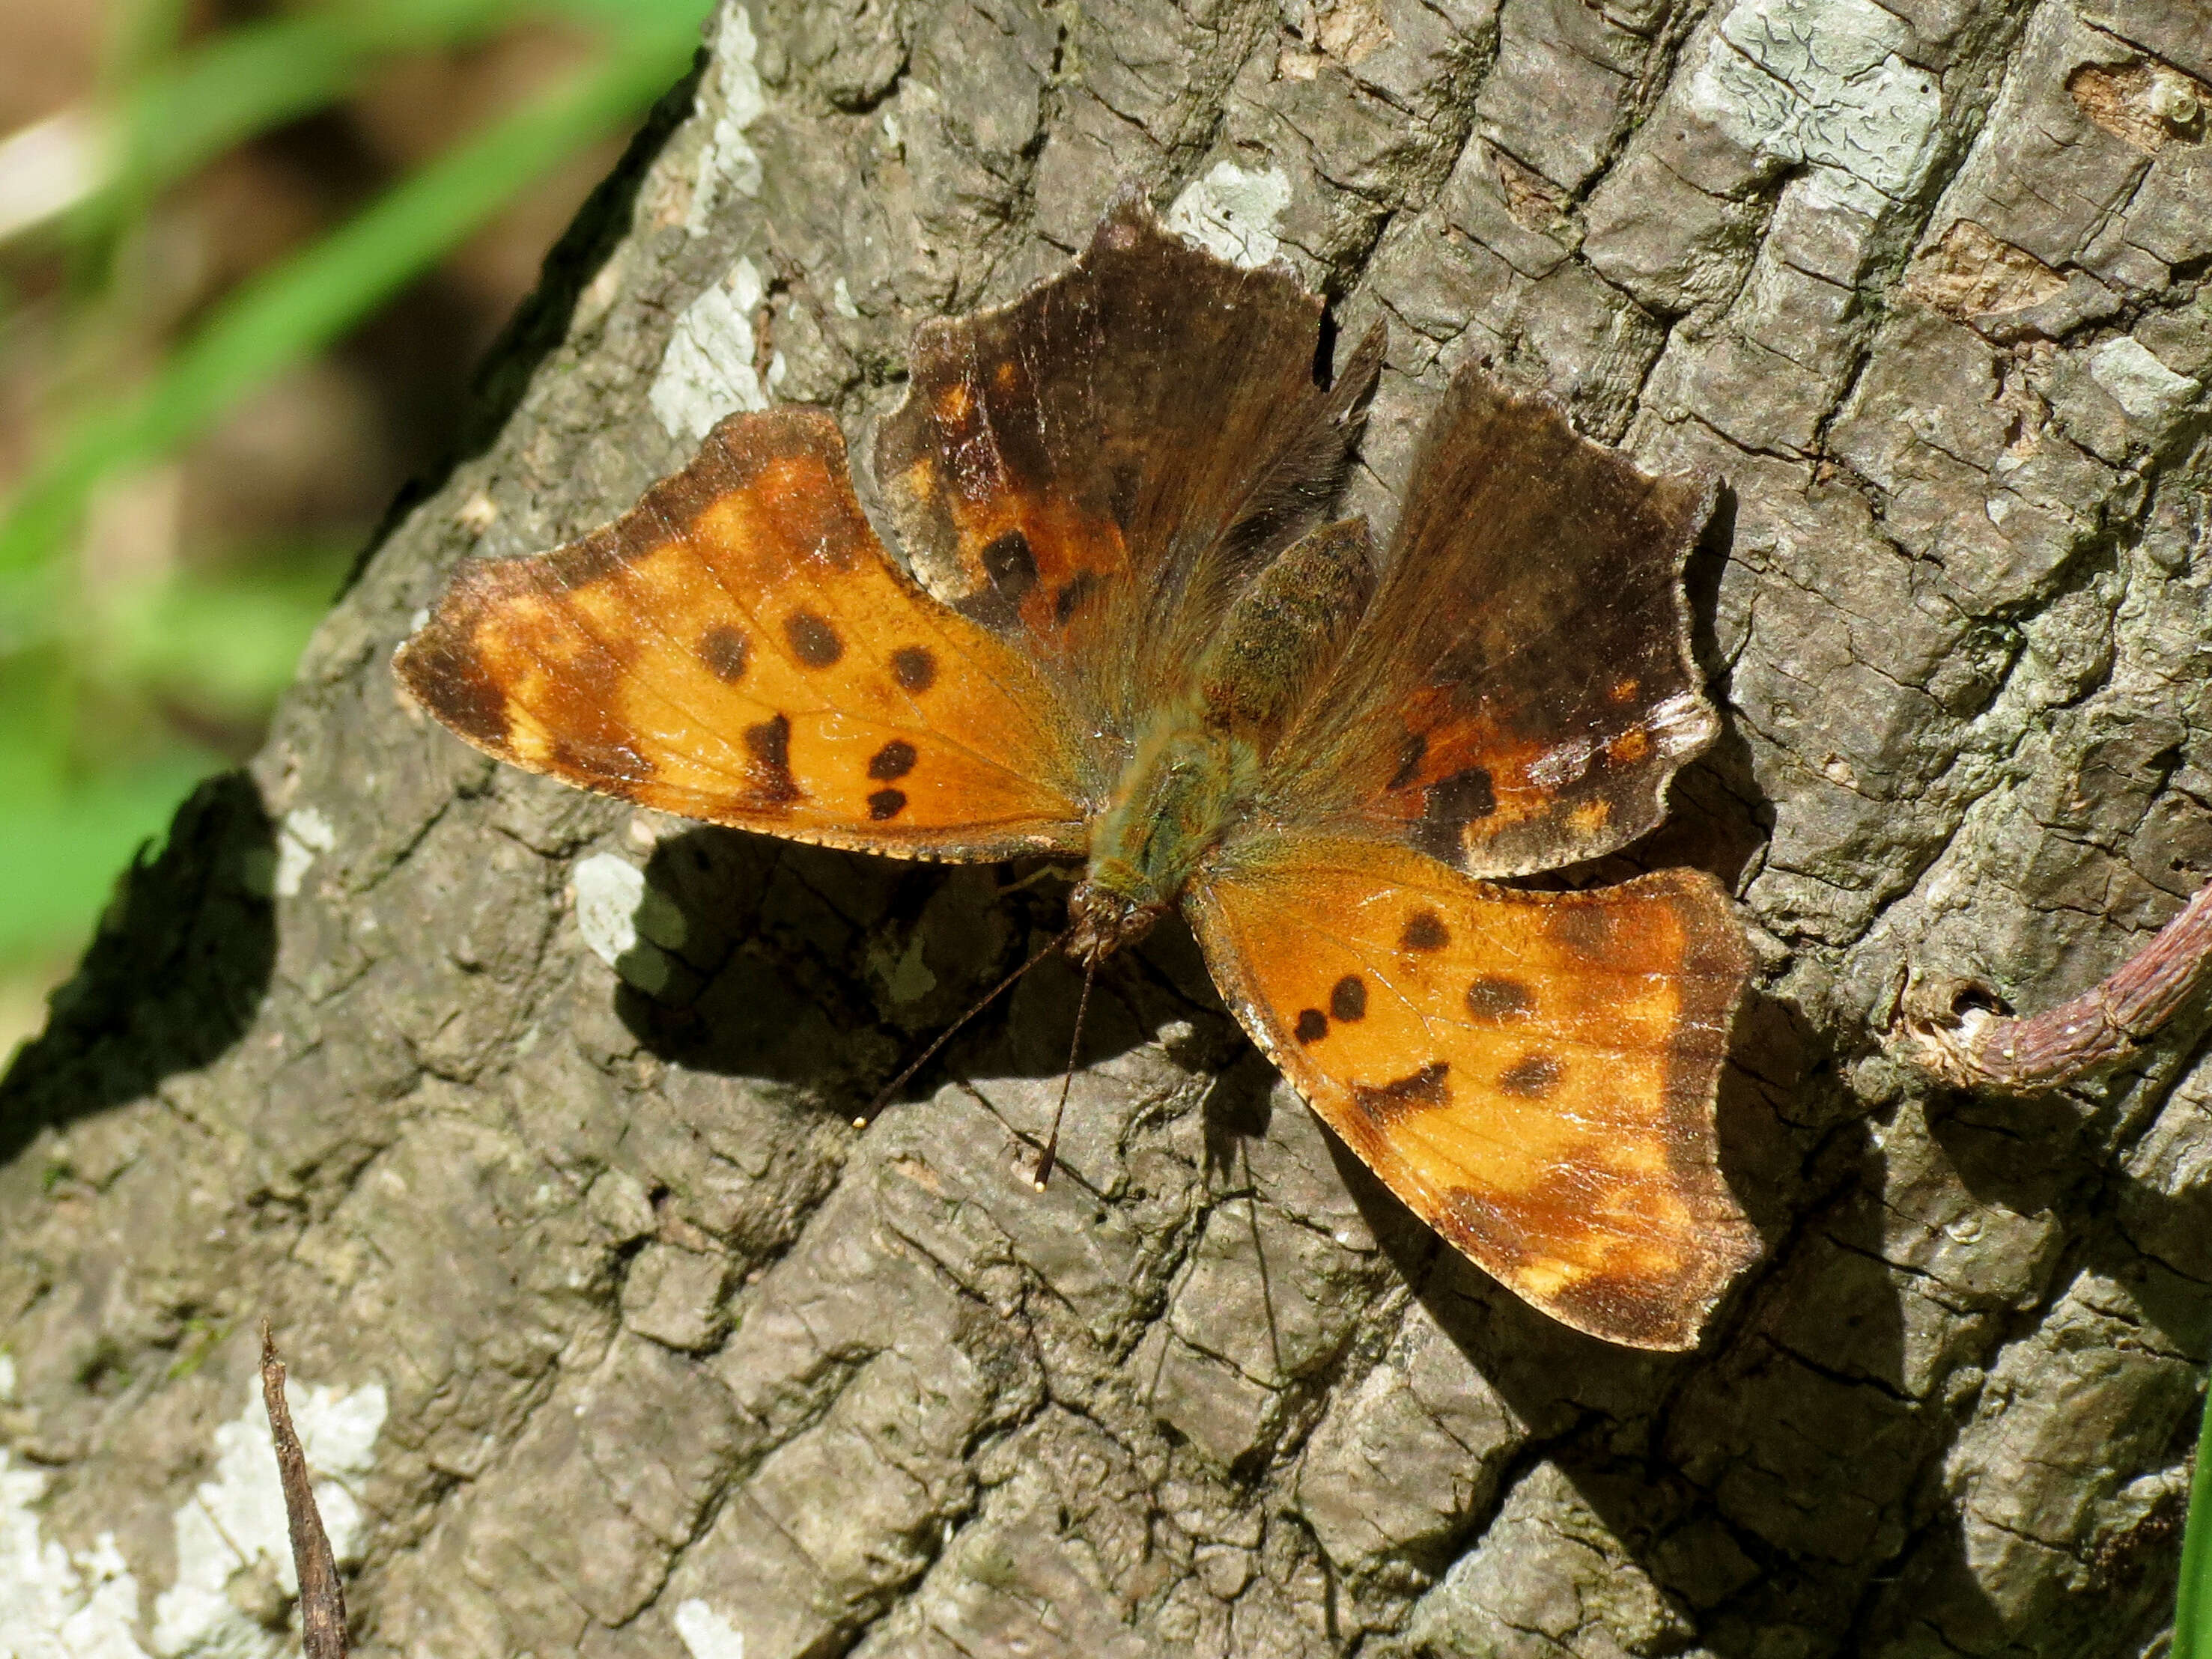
x: 1348, y: 998
x: 1422, y: 1090
x: 1011, y: 565
x: 893, y: 761
x: 598, y: 758
x: 767, y: 746
x: 886, y: 803
x: 1073, y: 595
x: 724, y: 650
x: 1494, y: 1000
x: 1312, y: 1026
x: 1425, y: 930
x: 813, y: 640
x: 1532, y: 1077
x: 913, y: 667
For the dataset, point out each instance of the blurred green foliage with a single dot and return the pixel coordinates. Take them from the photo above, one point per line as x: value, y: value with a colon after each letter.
x: 85, y: 777
x: 2192, y: 1614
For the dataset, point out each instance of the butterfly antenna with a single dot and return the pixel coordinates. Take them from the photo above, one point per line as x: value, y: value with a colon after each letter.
x: 1051, y: 1153
x: 883, y: 1095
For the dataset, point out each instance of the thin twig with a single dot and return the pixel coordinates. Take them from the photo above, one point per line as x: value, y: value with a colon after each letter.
x: 1977, y: 1048
x: 322, y: 1597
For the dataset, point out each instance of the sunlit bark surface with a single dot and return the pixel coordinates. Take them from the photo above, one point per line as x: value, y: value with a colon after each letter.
x: 526, y: 1118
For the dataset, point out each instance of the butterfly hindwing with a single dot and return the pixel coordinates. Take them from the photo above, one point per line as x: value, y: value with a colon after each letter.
x: 1533, y: 1073
x: 1092, y: 469
x: 739, y: 648
x: 1521, y: 688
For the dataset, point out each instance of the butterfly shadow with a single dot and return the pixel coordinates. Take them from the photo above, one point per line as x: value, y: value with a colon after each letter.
x: 174, y: 976
x: 1720, y: 1472
x: 832, y: 971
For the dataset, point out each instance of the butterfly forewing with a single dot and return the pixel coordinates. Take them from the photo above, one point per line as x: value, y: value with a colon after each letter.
x: 1532, y: 1072
x: 1092, y: 469
x: 739, y: 648
x: 1521, y: 688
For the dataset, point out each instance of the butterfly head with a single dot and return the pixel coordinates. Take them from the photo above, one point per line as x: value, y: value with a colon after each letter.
x: 1104, y: 913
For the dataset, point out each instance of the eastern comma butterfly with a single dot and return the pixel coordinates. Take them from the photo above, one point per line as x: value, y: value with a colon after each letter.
x: 1146, y: 643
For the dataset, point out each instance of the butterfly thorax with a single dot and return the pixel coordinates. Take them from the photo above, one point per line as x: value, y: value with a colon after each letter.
x: 1182, y: 789
x: 1196, y: 768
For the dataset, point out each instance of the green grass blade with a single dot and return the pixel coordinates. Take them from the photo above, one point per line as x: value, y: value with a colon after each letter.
x: 250, y: 79
x: 140, y: 38
x: 2192, y: 1613
x: 289, y: 312
x: 59, y: 856
x: 256, y: 77
x: 633, y: 17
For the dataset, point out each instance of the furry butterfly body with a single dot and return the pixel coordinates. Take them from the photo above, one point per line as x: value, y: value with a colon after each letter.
x: 1146, y: 642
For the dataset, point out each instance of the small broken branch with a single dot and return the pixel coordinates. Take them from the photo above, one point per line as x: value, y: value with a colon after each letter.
x: 1976, y: 1048
x: 322, y: 1597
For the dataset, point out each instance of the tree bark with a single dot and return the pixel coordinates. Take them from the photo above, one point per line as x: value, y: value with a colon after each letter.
x: 525, y: 1117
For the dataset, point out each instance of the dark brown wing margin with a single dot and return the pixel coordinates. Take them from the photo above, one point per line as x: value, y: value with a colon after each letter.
x: 1095, y: 468
x: 1522, y: 688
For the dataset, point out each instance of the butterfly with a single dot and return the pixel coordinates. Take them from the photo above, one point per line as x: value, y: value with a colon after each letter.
x: 1130, y: 630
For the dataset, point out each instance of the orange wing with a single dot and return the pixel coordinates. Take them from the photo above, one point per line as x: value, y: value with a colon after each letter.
x: 739, y: 647
x: 1521, y: 688
x: 1533, y: 1073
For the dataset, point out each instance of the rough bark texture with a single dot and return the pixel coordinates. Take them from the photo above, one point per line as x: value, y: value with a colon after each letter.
x: 619, y: 1339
